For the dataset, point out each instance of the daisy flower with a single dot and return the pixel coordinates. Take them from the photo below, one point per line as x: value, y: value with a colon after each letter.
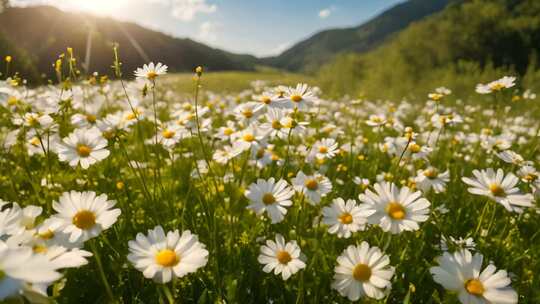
x: 314, y: 187
x: 170, y: 135
x: 225, y: 154
x: 376, y: 120
x: 86, y: 147
x: 462, y: 272
x: 395, y: 210
x: 273, y: 126
x: 10, y: 219
x: 511, y: 157
x: 19, y: 267
x: 301, y: 97
x: 361, y: 271
x: 452, y: 244
x: 248, y: 138
x: 270, y: 196
x: 324, y: 148
x: 502, y: 189
x: 344, y: 218
x: 83, y: 215
x: 497, y: 85
x: 431, y: 178
x: 151, y: 71
x: 163, y: 257
x: 283, y: 258
x: 248, y: 112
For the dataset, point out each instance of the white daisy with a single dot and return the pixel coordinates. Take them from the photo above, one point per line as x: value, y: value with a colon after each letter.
x: 170, y: 135
x: 314, y: 187
x: 345, y: 218
x: 10, y: 219
x: 396, y: 210
x: 462, y: 272
x: 163, y: 257
x: 502, y: 189
x: 20, y: 266
x: 324, y: 148
x: 83, y: 215
x: 301, y: 97
x: 431, y: 178
x: 86, y: 147
x: 283, y: 258
x: 270, y: 196
x: 151, y: 71
x: 362, y: 271
x: 497, y: 85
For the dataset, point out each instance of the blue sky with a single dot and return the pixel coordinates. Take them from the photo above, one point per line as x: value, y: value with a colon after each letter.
x: 255, y: 27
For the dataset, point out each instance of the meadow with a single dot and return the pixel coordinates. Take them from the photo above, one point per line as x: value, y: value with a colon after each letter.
x: 257, y: 188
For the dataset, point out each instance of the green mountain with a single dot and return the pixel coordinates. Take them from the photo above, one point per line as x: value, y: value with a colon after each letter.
x: 35, y: 36
x: 472, y: 41
x: 323, y: 46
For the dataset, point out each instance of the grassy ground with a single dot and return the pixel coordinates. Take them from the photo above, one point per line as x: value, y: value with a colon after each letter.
x: 182, y: 185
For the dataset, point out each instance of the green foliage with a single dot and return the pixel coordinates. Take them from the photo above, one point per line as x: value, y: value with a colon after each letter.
x: 479, y: 40
x: 309, y: 54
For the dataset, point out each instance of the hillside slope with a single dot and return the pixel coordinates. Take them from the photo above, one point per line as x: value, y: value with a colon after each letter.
x: 51, y: 31
x: 323, y: 46
x: 472, y: 41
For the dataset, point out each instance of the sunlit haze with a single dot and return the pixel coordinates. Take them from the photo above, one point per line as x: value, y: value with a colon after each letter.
x: 235, y: 25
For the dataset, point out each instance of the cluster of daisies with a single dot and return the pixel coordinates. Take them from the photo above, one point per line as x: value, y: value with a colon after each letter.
x: 287, y: 136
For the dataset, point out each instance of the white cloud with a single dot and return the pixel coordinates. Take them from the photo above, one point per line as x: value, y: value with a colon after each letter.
x: 186, y: 10
x: 325, y: 13
x: 208, y: 31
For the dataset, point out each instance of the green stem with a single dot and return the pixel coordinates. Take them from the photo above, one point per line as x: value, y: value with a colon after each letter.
x: 102, y: 272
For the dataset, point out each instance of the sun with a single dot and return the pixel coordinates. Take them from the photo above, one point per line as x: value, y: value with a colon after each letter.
x: 101, y: 7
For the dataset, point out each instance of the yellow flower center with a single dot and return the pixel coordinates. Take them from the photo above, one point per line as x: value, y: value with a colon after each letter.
x: 276, y: 124
x: 474, y: 287
x: 431, y: 173
x: 312, y: 184
x: 12, y: 100
x: 131, y: 116
x: 530, y: 177
x: 346, y: 218
x: 266, y: 100
x: 259, y: 154
x: 414, y: 148
x: 39, y: 249
x: 91, y: 118
x: 83, y: 150
x: 151, y: 75
x: 47, y: 235
x: 323, y: 149
x: 168, y: 134
x: 228, y: 131
x: 167, y: 258
x: 283, y: 257
x: 248, y: 113
x: 395, y: 211
x: 496, y: 87
x: 84, y: 219
x: 268, y: 199
x: 497, y: 190
x: 296, y: 98
x: 362, y: 272
x: 35, y: 141
x: 248, y: 137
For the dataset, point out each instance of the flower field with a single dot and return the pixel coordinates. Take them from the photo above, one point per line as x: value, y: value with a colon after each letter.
x: 119, y: 191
